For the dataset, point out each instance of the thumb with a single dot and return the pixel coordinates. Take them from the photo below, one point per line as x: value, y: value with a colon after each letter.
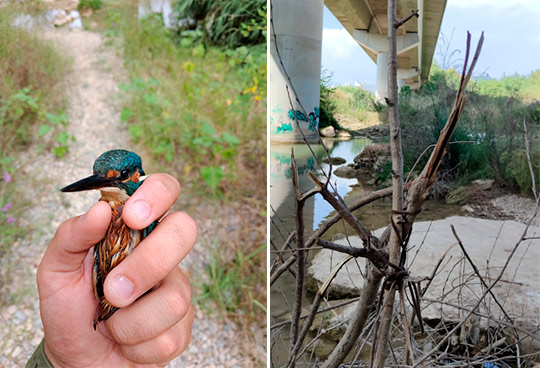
x: 69, y: 246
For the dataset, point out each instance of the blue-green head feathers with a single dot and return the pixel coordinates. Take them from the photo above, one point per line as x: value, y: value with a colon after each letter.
x: 115, y: 168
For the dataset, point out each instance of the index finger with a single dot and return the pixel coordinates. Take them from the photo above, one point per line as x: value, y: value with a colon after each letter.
x: 150, y: 201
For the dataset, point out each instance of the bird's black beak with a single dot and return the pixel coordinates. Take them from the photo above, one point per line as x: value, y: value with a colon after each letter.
x: 95, y: 181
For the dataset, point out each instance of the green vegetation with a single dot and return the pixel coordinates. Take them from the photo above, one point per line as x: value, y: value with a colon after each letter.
x: 194, y: 106
x: 228, y: 286
x: 31, y: 108
x: 231, y: 23
x: 491, y: 122
x: 30, y: 73
x: 90, y: 4
x: 199, y: 107
x: 349, y: 102
x: 327, y: 103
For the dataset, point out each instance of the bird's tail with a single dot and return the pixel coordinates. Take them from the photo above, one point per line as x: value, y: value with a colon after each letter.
x: 103, y: 311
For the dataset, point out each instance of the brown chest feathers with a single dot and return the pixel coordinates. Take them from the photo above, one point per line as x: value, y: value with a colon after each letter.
x: 118, y: 242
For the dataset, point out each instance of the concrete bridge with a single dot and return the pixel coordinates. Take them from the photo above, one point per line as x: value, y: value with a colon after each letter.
x: 366, y: 21
x: 297, y: 26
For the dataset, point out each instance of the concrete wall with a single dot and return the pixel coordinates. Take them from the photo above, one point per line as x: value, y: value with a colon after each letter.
x: 298, y: 29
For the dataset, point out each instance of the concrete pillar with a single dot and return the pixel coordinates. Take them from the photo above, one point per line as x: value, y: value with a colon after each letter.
x: 382, y: 75
x: 298, y: 30
x: 378, y: 44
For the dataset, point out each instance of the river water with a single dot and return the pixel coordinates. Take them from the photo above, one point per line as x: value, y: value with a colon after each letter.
x: 316, y: 210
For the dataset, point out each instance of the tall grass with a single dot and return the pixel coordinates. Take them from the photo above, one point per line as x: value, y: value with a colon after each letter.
x: 31, y: 71
x: 197, y: 108
x: 230, y: 23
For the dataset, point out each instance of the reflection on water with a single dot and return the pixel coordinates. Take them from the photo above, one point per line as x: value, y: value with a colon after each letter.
x: 281, y: 189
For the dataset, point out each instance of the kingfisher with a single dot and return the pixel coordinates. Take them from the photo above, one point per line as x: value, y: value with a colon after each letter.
x: 117, y: 175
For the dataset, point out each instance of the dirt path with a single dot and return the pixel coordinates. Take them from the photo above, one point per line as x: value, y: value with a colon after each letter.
x: 94, y: 121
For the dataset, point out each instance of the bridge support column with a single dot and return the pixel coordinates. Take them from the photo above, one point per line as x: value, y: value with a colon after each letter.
x: 378, y: 44
x: 382, y: 75
x: 298, y: 30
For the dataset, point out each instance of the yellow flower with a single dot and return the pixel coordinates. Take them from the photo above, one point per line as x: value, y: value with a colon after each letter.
x: 188, y: 66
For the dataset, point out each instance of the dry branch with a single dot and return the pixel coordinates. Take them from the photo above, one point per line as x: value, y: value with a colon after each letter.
x: 417, y: 194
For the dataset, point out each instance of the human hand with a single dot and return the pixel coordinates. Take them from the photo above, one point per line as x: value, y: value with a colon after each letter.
x: 151, y: 330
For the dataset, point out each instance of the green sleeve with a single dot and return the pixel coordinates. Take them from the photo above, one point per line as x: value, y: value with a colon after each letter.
x: 39, y: 359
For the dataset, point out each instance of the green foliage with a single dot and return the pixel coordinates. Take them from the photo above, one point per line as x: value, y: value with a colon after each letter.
x: 30, y: 72
x: 231, y: 23
x: 327, y: 105
x: 235, y: 285
x: 356, y: 103
x: 491, y: 123
x: 90, y: 4
x: 196, y: 103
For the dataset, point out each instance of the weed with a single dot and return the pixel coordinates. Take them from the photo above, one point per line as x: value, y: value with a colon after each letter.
x: 198, y: 100
x: 90, y: 4
x: 30, y: 71
x: 9, y: 230
x: 232, y: 23
x: 230, y: 281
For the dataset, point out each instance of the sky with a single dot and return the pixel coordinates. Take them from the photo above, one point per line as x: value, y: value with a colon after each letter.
x: 511, y: 45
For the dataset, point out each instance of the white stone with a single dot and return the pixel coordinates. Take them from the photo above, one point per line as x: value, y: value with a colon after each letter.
x: 329, y: 132
x: 74, y: 14
x: 76, y: 24
x: 485, y: 241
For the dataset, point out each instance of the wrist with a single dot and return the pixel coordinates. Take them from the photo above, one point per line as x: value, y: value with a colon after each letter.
x: 40, y: 359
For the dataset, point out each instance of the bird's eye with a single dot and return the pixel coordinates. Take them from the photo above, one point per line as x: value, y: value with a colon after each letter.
x: 124, y: 174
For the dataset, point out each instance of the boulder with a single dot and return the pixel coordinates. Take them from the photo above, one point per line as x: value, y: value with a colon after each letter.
x: 347, y: 172
x: 329, y: 132
x: 334, y: 160
x: 344, y: 135
x: 372, y: 154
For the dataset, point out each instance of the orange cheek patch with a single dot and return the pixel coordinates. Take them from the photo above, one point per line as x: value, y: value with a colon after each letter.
x: 112, y: 174
x: 136, y: 175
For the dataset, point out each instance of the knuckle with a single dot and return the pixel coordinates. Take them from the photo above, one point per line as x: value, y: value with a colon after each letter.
x: 178, y: 303
x: 155, y: 268
x: 183, y: 229
x: 167, y: 346
x: 131, y: 332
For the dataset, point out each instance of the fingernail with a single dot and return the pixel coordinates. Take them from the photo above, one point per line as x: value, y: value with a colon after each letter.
x: 141, y: 209
x: 122, y: 287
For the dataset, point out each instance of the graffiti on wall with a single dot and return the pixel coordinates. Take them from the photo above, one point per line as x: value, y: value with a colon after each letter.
x: 312, y: 119
x: 295, y: 115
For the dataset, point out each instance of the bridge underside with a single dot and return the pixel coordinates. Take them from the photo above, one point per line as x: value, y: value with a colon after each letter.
x: 366, y: 21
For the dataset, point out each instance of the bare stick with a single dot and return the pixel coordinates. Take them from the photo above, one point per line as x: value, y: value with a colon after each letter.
x: 284, y: 267
x: 399, y: 23
x: 342, y: 209
x: 406, y: 326
x: 529, y: 161
x: 300, y: 253
x: 397, y: 181
x: 335, y: 306
x: 458, y: 326
x: 378, y: 257
x: 477, y: 272
x: 311, y: 317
